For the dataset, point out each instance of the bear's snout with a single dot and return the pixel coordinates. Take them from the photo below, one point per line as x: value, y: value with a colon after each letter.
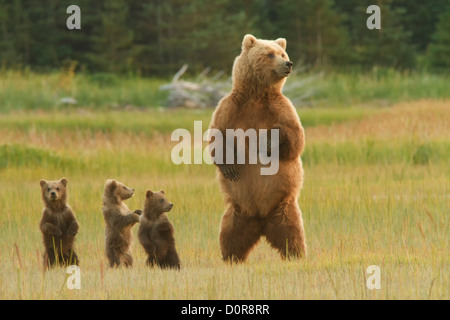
x: 285, y: 68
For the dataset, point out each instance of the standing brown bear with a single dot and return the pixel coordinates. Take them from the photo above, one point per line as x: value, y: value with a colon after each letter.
x: 58, y: 225
x: 119, y: 221
x: 156, y: 231
x: 261, y: 205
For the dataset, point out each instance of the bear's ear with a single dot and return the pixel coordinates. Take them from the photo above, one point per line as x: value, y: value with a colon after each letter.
x: 42, y: 183
x: 162, y: 191
x: 111, y: 184
x: 248, y: 42
x: 149, y: 193
x: 64, y: 182
x: 281, y: 42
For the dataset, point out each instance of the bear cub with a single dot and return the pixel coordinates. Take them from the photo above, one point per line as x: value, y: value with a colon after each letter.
x: 119, y: 221
x: 58, y: 225
x: 156, y: 233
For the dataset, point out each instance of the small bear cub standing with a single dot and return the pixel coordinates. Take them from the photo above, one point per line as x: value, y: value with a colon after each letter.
x: 119, y: 221
x: 156, y: 232
x: 58, y: 225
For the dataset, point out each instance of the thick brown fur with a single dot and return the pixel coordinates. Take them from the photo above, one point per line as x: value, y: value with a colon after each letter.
x: 58, y: 225
x: 156, y: 233
x: 261, y: 205
x: 119, y: 220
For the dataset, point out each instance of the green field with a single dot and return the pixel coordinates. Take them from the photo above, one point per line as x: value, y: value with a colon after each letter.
x: 376, y: 192
x: 22, y: 91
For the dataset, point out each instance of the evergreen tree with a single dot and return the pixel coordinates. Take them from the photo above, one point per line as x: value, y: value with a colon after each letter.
x: 113, y: 40
x: 16, y: 39
x: 389, y: 46
x: 439, y: 49
x: 420, y: 18
x: 157, y: 37
x: 199, y: 33
x: 313, y: 29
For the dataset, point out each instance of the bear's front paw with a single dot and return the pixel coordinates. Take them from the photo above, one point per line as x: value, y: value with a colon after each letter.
x: 138, y: 212
x: 229, y: 171
x: 57, y: 232
x: 73, y: 233
x: 73, y: 229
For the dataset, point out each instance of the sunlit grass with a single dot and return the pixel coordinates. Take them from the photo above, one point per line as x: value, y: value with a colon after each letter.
x: 27, y: 91
x: 365, y: 201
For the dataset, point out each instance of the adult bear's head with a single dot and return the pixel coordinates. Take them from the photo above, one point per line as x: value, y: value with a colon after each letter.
x: 262, y: 63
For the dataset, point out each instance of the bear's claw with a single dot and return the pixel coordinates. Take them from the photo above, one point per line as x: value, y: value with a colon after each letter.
x: 230, y: 172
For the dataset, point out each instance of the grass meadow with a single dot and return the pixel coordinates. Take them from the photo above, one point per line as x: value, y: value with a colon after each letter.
x: 376, y: 192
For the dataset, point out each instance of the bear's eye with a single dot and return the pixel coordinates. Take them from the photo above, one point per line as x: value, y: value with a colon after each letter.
x: 271, y: 55
x: 57, y: 189
x: 283, y: 55
x: 48, y: 189
x: 161, y: 200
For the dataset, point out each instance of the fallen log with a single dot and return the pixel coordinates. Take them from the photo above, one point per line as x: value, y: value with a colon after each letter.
x: 205, y: 93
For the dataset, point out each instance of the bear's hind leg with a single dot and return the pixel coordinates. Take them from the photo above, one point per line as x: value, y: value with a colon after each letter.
x: 284, y: 230
x: 238, y: 235
x: 151, y: 261
x: 49, y: 259
x: 71, y: 258
x: 171, y: 260
x: 127, y: 259
x: 113, y: 257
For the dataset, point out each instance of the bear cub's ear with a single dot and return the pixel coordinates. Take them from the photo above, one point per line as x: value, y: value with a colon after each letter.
x: 42, y: 183
x: 64, y: 182
x: 149, y: 193
x: 248, y: 42
x: 162, y: 191
x: 281, y: 42
x: 111, y: 184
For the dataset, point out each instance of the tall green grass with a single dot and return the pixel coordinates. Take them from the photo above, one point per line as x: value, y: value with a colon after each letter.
x: 370, y: 151
x: 26, y: 90
x: 378, y: 87
x: 151, y: 121
x: 369, y: 198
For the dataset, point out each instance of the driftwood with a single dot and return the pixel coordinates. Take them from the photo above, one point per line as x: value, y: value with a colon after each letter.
x: 203, y: 93
x: 300, y: 90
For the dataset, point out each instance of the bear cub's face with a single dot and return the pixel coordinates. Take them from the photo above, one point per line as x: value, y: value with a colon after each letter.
x: 53, y: 191
x: 157, y: 202
x: 118, y: 190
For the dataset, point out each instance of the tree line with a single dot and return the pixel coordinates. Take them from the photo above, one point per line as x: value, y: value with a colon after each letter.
x: 154, y: 38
